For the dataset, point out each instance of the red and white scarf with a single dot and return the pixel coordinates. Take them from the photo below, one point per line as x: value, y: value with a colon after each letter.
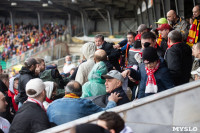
x: 151, y: 86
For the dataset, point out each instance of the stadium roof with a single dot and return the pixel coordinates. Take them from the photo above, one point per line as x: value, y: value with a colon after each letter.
x: 95, y: 9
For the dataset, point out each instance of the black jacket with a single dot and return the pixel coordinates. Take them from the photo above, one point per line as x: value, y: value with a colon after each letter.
x: 7, y: 115
x: 30, y: 118
x: 113, y: 54
x: 179, y: 62
x: 25, y: 76
x: 102, y: 100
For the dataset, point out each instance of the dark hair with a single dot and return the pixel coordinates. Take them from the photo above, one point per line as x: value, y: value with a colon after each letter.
x: 4, y: 77
x: 148, y: 35
x: 131, y: 33
x: 175, y: 36
x: 31, y: 92
x: 113, y: 121
x: 100, y: 36
x: 39, y: 60
x: 16, y: 79
x: 74, y: 87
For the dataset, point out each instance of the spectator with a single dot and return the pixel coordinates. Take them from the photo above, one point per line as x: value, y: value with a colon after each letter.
x: 4, y: 124
x: 27, y: 73
x: 141, y: 29
x: 196, y: 74
x: 150, y: 74
x: 160, y: 22
x: 178, y: 58
x: 31, y: 117
x: 164, y: 31
x: 51, y: 89
x: 178, y: 23
x: 113, y: 84
x: 72, y: 107
x: 68, y: 64
x: 196, y: 54
x: 40, y: 66
x: 113, y: 122
x: 88, y: 50
x: 4, y: 85
x: 112, y: 54
x: 88, y: 128
x: 193, y: 36
x: 95, y: 85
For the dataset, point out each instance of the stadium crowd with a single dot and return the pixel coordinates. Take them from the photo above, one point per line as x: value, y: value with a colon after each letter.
x: 25, y: 37
x: 40, y: 97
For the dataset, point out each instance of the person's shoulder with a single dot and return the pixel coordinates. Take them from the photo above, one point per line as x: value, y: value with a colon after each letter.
x: 4, y: 121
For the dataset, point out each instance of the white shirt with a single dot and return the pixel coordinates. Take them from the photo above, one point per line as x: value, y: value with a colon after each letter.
x: 4, y: 125
x: 67, y: 68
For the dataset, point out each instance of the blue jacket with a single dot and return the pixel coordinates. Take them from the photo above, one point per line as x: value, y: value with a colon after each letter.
x: 162, y: 76
x: 68, y: 109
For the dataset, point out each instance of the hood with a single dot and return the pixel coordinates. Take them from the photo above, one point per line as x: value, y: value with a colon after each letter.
x: 88, y: 50
x: 11, y: 83
x: 49, y: 88
x: 25, y: 70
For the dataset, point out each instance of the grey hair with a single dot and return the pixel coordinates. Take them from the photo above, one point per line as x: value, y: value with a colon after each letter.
x: 100, y: 36
x: 175, y: 36
x: 74, y: 87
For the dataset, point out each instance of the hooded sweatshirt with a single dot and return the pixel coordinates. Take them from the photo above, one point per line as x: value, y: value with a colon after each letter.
x: 88, y: 50
x: 49, y: 89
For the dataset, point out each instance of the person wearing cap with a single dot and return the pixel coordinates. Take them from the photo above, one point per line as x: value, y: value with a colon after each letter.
x: 150, y: 74
x: 27, y: 73
x: 141, y: 29
x: 178, y: 23
x: 164, y: 31
x: 72, y: 107
x: 32, y: 117
x: 160, y: 22
x: 114, y: 81
x: 179, y: 58
x: 194, y: 36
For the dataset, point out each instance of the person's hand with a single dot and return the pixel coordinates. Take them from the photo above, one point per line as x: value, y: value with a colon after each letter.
x: 117, y: 46
x: 114, y: 97
x: 126, y: 73
x: 131, y: 79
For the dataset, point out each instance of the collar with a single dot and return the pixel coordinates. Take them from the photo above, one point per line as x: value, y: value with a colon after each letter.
x: 117, y: 90
x: 35, y: 101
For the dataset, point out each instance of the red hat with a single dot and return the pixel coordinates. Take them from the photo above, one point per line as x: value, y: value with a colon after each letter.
x: 164, y: 26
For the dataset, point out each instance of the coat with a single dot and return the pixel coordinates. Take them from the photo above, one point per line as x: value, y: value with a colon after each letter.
x: 179, y: 62
x: 163, y: 82
x: 95, y: 86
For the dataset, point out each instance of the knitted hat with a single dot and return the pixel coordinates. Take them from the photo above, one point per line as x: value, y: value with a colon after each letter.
x: 149, y: 54
x: 35, y: 84
x: 162, y: 21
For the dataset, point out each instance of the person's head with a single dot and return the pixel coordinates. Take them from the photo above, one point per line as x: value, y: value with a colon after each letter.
x: 51, y: 89
x: 148, y: 37
x: 196, y: 11
x: 111, y: 121
x: 73, y: 87
x: 174, y: 37
x: 131, y: 37
x: 3, y: 102
x: 161, y: 21
x: 171, y: 17
x: 41, y: 64
x: 68, y: 59
x: 164, y: 30
x: 99, y: 40
x: 1, y: 70
x: 72, y: 71
x: 35, y: 88
x: 191, y: 21
x: 16, y: 82
x: 114, y: 80
x: 30, y: 63
x: 100, y: 55
x: 5, y: 79
x: 150, y: 57
x: 88, y: 128
x: 196, y: 50
x: 142, y: 28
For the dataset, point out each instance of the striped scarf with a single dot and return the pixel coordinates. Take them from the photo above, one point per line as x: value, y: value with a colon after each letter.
x: 193, y: 33
x: 71, y: 95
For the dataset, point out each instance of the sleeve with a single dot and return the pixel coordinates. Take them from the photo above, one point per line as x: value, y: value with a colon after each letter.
x: 185, y: 30
x: 114, y: 53
x: 135, y: 74
x: 79, y: 75
x: 167, y: 81
x: 123, y: 42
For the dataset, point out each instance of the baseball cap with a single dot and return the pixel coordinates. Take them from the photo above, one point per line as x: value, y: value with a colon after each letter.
x: 30, y: 61
x: 113, y: 74
x: 197, y: 71
x: 35, y: 84
x: 162, y: 21
x: 164, y: 26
